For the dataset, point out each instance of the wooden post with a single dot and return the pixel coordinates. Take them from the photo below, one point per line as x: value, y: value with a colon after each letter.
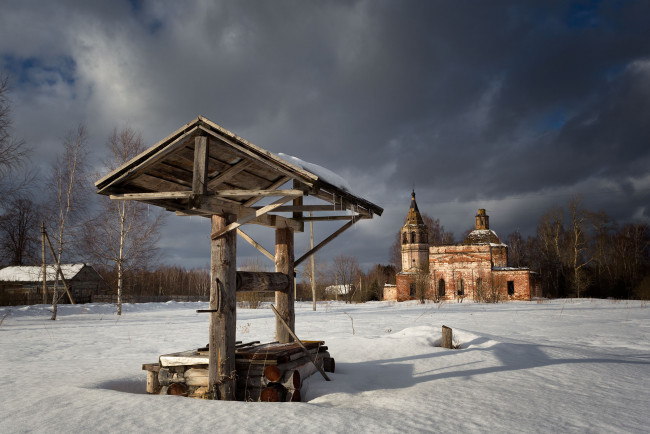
x: 223, y: 315
x: 284, y: 300
x: 313, y: 267
x: 44, y: 263
x: 446, y: 337
x: 200, y: 174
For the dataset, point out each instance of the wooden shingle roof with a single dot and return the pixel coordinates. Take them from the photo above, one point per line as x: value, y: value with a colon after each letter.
x: 204, y: 169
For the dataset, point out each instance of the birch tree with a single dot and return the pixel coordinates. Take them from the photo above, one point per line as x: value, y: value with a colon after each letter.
x: 577, y: 249
x: 124, y: 233
x: 68, y: 189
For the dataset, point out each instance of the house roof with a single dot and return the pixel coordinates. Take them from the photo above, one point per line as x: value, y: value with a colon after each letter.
x: 34, y: 273
x: 225, y: 174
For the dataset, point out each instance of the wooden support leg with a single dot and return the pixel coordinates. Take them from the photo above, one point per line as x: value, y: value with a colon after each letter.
x: 284, y: 300
x: 223, y: 303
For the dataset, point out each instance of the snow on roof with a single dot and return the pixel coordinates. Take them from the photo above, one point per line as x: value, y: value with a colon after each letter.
x: 34, y: 273
x: 340, y: 289
x: 322, y: 173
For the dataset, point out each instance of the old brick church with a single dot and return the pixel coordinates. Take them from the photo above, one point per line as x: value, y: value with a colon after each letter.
x: 476, y: 269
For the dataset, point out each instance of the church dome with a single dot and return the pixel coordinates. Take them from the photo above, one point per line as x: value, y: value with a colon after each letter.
x: 482, y: 234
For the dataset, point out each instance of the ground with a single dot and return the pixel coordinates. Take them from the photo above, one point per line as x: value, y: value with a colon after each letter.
x: 559, y: 365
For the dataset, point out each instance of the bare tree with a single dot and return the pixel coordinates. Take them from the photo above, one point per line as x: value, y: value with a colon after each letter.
x: 423, y: 282
x: 124, y: 234
x: 550, y: 233
x: 13, y: 152
x: 345, y: 268
x: 19, y: 232
x: 577, y: 248
x: 68, y: 190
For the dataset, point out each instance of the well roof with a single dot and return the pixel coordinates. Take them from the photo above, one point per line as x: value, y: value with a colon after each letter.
x: 163, y: 175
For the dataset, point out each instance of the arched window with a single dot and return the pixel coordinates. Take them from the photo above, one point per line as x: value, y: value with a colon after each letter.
x: 404, y: 238
x: 441, y: 288
x: 413, y: 237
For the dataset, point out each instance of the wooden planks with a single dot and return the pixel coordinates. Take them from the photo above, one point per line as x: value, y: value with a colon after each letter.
x: 264, y: 372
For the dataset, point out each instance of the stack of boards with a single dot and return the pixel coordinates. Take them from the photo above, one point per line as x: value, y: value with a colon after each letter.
x: 269, y: 372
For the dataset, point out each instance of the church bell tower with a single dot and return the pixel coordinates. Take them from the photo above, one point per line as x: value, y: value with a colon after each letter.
x: 415, y: 243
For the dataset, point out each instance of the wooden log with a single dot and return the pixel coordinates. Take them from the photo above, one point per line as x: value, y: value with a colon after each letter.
x: 288, y: 379
x: 223, y: 302
x: 178, y: 389
x: 328, y: 364
x: 294, y: 396
x: 164, y: 376
x: 273, y: 393
x: 262, y: 281
x: 446, y: 337
x: 284, y: 300
x: 196, y: 377
x: 153, y: 385
x: 293, y: 335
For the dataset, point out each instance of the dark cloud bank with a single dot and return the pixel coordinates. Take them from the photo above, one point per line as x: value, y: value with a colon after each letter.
x: 509, y: 106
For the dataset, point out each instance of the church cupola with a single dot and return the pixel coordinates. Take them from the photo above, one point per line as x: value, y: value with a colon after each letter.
x: 414, y: 235
x: 482, y: 220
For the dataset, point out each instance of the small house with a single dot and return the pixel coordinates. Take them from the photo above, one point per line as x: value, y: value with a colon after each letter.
x: 24, y: 284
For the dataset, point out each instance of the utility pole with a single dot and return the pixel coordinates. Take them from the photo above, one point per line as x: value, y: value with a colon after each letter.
x: 313, y: 267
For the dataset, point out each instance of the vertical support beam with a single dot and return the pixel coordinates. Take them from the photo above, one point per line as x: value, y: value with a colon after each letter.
x: 297, y: 215
x: 313, y: 267
x: 284, y: 301
x: 223, y: 315
x: 200, y: 173
x: 44, y: 265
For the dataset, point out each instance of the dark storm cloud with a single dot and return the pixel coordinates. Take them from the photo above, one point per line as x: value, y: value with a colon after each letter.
x: 514, y: 106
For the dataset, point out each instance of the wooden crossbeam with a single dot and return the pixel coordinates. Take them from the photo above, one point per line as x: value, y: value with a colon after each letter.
x: 153, y: 196
x: 229, y: 173
x: 261, y: 193
x: 246, y: 218
x: 303, y: 208
x: 324, y: 243
x: 329, y: 218
x: 273, y: 186
x: 255, y: 244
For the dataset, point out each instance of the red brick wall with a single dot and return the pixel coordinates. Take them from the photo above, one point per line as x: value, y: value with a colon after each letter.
x: 521, y: 280
x: 404, y: 281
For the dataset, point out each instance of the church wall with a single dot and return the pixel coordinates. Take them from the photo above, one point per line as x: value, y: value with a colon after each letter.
x: 457, y: 263
x: 413, y: 255
x: 500, y: 256
x: 520, y: 279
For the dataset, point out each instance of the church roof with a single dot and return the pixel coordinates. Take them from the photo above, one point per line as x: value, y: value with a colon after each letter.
x: 482, y: 236
x: 414, y: 217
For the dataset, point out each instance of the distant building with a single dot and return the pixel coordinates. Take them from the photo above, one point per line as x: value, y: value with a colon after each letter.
x: 336, y: 290
x: 476, y: 269
x: 24, y: 284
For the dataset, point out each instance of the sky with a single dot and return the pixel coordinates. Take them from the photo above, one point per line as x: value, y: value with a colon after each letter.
x: 510, y: 106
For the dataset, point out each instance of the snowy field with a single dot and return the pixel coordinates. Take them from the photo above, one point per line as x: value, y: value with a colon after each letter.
x: 558, y: 366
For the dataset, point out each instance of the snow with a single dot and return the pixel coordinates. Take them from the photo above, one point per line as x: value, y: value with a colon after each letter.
x: 34, y: 273
x: 559, y: 365
x: 322, y: 173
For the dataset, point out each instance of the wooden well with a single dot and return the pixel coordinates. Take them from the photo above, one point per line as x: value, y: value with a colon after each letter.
x: 204, y: 170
